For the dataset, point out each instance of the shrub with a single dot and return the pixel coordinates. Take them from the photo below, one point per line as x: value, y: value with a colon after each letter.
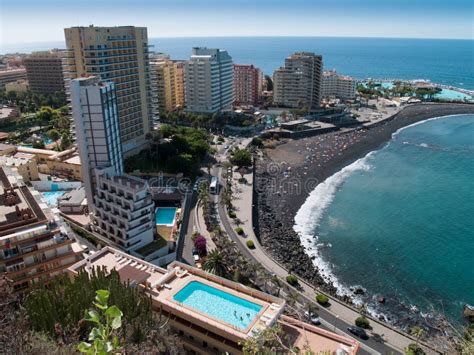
x: 414, y: 349
x: 322, y: 300
x: 362, y: 322
x: 292, y: 280
x: 239, y: 231
x: 232, y: 214
x: 250, y: 244
x: 201, y: 245
x: 242, y: 180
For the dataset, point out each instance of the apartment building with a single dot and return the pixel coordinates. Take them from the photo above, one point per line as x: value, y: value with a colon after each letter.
x: 298, y: 83
x: 247, y: 84
x: 95, y: 112
x: 21, y: 85
x: 44, y: 72
x: 34, y: 247
x: 121, y: 206
x: 168, y: 77
x: 23, y: 164
x: 213, y: 315
x: 123, y: 210
x: 118, y: 54
x: 11, y: 75
x: 336, y: 85
x: 209, y: 81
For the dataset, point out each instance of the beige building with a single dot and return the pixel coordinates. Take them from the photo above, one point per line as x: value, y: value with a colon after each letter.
x: 210, y: 314
x: 336, y: 85
x: 118, y: 54
x: 34, y: 247
x: 298, y: 83
x: 44, y: 71
x: 168, y: 79
x: 21, y: 85
x: 22, y: 163
x: 64, y: 164
x: 10, y: 75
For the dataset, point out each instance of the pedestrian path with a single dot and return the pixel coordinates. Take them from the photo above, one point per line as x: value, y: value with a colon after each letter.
x: 242, y: 201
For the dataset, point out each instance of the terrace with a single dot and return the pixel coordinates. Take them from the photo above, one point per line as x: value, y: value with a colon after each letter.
x: 209, y: 308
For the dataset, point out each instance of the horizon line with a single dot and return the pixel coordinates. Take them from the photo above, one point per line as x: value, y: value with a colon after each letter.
x: 272, y: 36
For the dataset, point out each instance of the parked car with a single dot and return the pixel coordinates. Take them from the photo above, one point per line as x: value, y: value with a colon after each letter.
x: 358, y: 331
x: 313, y: 317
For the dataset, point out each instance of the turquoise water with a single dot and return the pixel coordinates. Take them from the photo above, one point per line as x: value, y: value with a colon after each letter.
x: 51, y: 197
x: 165, y: 215
x: 218, y: 304
x: 400, y: 221
x: 445, y: 94
x: 446, y: 62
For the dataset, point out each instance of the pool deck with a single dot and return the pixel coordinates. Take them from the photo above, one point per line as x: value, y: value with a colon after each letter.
x: 163, y: 284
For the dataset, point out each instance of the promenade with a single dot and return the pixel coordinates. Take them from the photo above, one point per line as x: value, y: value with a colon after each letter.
x: 338, y: 316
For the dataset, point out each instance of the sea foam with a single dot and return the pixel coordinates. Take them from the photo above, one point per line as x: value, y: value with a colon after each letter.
x: 311, y: 212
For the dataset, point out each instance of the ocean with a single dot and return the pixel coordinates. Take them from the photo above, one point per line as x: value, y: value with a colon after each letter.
x: 449, y: 62
x: 399, y: 222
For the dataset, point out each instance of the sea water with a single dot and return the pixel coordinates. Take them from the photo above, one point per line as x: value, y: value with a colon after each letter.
x: 446, y: 62
x: 400, y: 221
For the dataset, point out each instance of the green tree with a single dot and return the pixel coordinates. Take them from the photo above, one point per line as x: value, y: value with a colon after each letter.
x: 241, y: 158
x: 103, y: 338
x: 268, y: 83
x: 216, y: 263
x: 66, y: 141
x: 53, y: 134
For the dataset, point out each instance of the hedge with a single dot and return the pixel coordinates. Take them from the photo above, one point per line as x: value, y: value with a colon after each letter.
x: 322, y: 300
x: 362, y: 322
x: 292, y: 280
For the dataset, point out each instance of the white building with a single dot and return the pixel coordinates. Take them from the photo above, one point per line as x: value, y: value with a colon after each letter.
x: 94, y: 107
x: 123, y: 210
x: 338, y: 85
x: 209, y: 81
x: 121, y: 205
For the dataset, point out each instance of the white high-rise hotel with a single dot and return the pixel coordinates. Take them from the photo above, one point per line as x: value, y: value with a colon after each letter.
x: 121, y: 205
x: 209, y: 81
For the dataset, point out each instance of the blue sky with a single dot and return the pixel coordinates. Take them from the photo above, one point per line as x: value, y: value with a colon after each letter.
x: 24, y: 21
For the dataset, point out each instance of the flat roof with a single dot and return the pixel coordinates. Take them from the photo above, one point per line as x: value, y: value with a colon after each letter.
x: 75, y: 160
x: 4, y: 146
x: 163, y: 284
x: 18, y: 207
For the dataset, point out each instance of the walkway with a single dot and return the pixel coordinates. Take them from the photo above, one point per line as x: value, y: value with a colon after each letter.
x: 338, y: 316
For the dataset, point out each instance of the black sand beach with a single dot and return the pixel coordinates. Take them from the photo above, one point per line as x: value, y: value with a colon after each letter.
x: 290, y: 171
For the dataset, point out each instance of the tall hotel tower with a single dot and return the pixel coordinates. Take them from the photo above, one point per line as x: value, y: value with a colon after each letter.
x: 121, y: 205
x: 209, y: 81
x: 299, y: 82
x: 118, y: 54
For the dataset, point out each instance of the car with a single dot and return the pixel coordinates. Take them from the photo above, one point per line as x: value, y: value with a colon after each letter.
x: 226, y: 146
x: 195, y: 251
x: 358, y: 331
x: 313, y: 317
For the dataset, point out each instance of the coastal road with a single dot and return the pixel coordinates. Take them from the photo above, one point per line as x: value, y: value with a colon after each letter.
x: 328, y: 319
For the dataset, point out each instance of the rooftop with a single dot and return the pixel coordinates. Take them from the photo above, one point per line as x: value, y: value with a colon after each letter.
x: 18, y: 207
x: 163, y: 285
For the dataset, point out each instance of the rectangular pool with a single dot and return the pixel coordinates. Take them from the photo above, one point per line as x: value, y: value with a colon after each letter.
x: 51, y: 197
x: 165, y: 215
x: 218, y: 304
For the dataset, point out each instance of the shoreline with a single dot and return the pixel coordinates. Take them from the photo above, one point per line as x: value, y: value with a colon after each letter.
x: 315, y: 158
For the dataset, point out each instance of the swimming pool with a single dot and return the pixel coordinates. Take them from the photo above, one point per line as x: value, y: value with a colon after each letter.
x: 51, y: 197
x: 165, y: 215
x: 218, y: 304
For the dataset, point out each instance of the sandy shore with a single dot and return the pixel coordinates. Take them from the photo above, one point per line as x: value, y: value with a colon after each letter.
x: 289, y: 172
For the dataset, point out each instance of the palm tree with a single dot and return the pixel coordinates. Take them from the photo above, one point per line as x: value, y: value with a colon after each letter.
x: 216, y: 263
x: 292, y: 298
x: 417, y: 332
